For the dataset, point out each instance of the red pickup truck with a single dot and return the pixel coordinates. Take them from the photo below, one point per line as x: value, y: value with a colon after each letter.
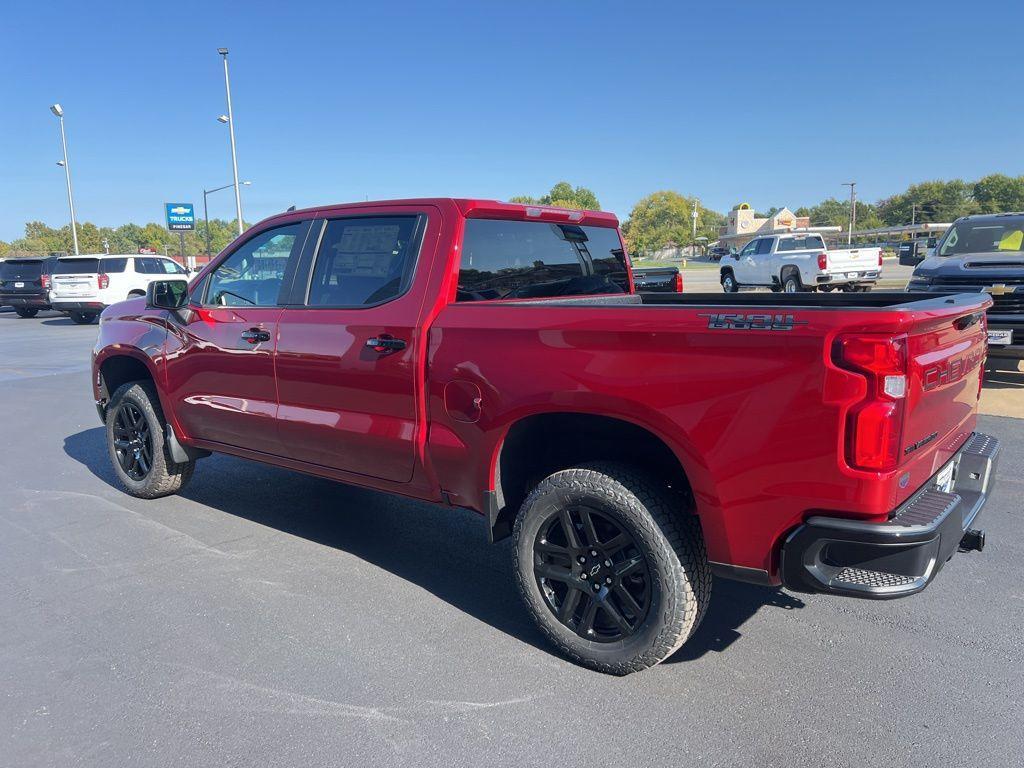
x: 497, y: 357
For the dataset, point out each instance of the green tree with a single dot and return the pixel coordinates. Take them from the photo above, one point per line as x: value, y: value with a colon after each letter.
x: 929, y: 201
x: 836, y: 213
x: 997, y: 193
x: 563, y: 195
x: 664, y: 219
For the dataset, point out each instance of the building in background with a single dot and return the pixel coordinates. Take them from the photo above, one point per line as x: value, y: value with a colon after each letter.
x: 744, y: 225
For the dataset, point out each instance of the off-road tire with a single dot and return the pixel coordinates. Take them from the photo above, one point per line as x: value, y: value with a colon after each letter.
x: 791, y: 282
x: 165, y: 477
x: 26, y: 312
x: 668, y: 537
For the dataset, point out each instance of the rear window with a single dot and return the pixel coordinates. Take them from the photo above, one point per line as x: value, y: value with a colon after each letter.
x: 76, y: 266
x: 532, y: 259
x: 20, y: 270
x: 808, y: 243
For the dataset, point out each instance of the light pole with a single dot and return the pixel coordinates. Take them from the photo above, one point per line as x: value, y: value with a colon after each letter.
x: 229, y: 118
x: 853, y: 209
x: 206, y: 213
x: 58, y: 111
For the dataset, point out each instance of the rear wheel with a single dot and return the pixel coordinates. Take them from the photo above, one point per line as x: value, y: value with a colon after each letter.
x: 83, y: 318
x: 791, y: 282
x: 26, y: 312
x: 135, y: 440
x: 610, y: 574
x: 729, y: 284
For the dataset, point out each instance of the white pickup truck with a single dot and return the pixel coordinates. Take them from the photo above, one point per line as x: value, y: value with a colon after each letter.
x: 799, y: 262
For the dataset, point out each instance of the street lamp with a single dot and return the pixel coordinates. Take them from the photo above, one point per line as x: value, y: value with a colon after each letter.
x: 229, y: 119
x: 58, y: 112
x: 206, y: 214
x: 853, y: 209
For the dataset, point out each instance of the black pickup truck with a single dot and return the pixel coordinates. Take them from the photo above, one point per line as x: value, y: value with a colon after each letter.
x: 983, y: 253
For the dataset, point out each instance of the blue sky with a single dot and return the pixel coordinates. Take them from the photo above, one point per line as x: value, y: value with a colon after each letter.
x: 769, y: 103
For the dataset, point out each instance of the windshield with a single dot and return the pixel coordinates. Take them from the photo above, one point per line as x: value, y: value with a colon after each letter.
x: 984, y: 236
x: 76, y: 266
x: 20, y: 270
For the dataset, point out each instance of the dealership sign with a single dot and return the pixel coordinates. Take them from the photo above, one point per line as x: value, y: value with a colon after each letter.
x: 180, y: 216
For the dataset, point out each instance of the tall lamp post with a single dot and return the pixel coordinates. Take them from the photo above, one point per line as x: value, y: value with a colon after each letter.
x: 206, y: 213
x: 229, y: 118
x: 58, y: 111
x: 853, y: 209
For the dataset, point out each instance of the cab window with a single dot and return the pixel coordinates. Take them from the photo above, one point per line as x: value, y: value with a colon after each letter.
x: 252, y: 276
x: 764, y: 246
x: 750, y: 248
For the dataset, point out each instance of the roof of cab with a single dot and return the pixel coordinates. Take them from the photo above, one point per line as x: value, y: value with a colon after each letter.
x: 472, y: 208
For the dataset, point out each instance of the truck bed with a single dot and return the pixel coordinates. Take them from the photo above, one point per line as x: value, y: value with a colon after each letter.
x: 845, y: 301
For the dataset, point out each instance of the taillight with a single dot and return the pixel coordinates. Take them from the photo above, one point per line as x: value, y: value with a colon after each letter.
x: 102, y: 280
x: 874, y: 426
x: 677, y: 282
x: 44, y: 280
x: 822, y: 260
x: 879, y: 258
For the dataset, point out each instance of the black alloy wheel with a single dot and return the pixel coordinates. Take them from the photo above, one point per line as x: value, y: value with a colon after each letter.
x: 133, y: 441
x: 593, y: 577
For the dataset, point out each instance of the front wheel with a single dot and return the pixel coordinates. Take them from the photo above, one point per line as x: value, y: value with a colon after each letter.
x: 26, y: 312
x: 82, y: 318
x: 729, y: 284
x: 135, y: 440
x: 612, y: 576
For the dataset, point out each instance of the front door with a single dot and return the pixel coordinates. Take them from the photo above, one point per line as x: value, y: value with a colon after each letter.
x: 347, y: 370
x: 220, y: 354
x: 745, y: 268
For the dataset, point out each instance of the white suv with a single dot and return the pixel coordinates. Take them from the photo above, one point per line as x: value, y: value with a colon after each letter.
x: 83, y: 286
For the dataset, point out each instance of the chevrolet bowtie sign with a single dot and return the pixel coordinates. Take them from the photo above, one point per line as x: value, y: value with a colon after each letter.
x: 180, y: 216
x: 999, y: 289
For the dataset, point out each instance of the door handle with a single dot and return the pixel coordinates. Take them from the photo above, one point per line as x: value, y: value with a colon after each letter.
x: 385, y: 343
x: 256, y: 335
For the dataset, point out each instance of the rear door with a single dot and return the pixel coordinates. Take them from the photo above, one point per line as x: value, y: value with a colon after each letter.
x: 220, y: 355
x: 347, y: 350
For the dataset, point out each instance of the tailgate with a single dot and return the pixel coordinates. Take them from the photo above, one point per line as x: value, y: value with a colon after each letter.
x: 852, y: 259
x: 946, y: 360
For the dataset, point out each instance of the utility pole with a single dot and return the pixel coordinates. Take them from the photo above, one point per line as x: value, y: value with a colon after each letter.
x: 853, y: 209
x: 913, y: 214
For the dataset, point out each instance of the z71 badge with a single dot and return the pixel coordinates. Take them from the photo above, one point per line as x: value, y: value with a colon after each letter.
x: 756, y: 322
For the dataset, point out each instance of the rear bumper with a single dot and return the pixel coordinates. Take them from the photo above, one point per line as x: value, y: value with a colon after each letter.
x: 68, y: 305
x: 901, y: 556
x: 31, y: 301
x: 842, y: 278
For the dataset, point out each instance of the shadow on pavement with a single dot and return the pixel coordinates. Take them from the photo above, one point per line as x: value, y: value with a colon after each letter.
x: 60, y: 321
x: 443, y: 550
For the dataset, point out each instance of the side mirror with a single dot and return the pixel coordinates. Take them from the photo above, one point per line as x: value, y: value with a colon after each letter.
x: 167, y: 294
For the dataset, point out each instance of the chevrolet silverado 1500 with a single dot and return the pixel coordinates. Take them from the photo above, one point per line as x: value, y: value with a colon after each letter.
x: 497, y: 357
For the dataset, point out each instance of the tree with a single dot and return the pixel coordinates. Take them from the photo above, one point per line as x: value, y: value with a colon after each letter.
x: 836, y: 213
x: 664, y: 219
x: 563, y: 195
x: 937, y: 201
x: 997, y: 193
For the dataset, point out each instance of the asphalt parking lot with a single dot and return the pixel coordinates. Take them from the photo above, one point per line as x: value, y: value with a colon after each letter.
x: 268, y: 618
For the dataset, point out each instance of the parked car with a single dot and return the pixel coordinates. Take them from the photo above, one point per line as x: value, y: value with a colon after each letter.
x: 800, y: 262
x: 82, y: 286
x: 983, y: 254
x: 658, y: 279
x: 718, y: 252
x: 491, y: 356
x: 25, y: 284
